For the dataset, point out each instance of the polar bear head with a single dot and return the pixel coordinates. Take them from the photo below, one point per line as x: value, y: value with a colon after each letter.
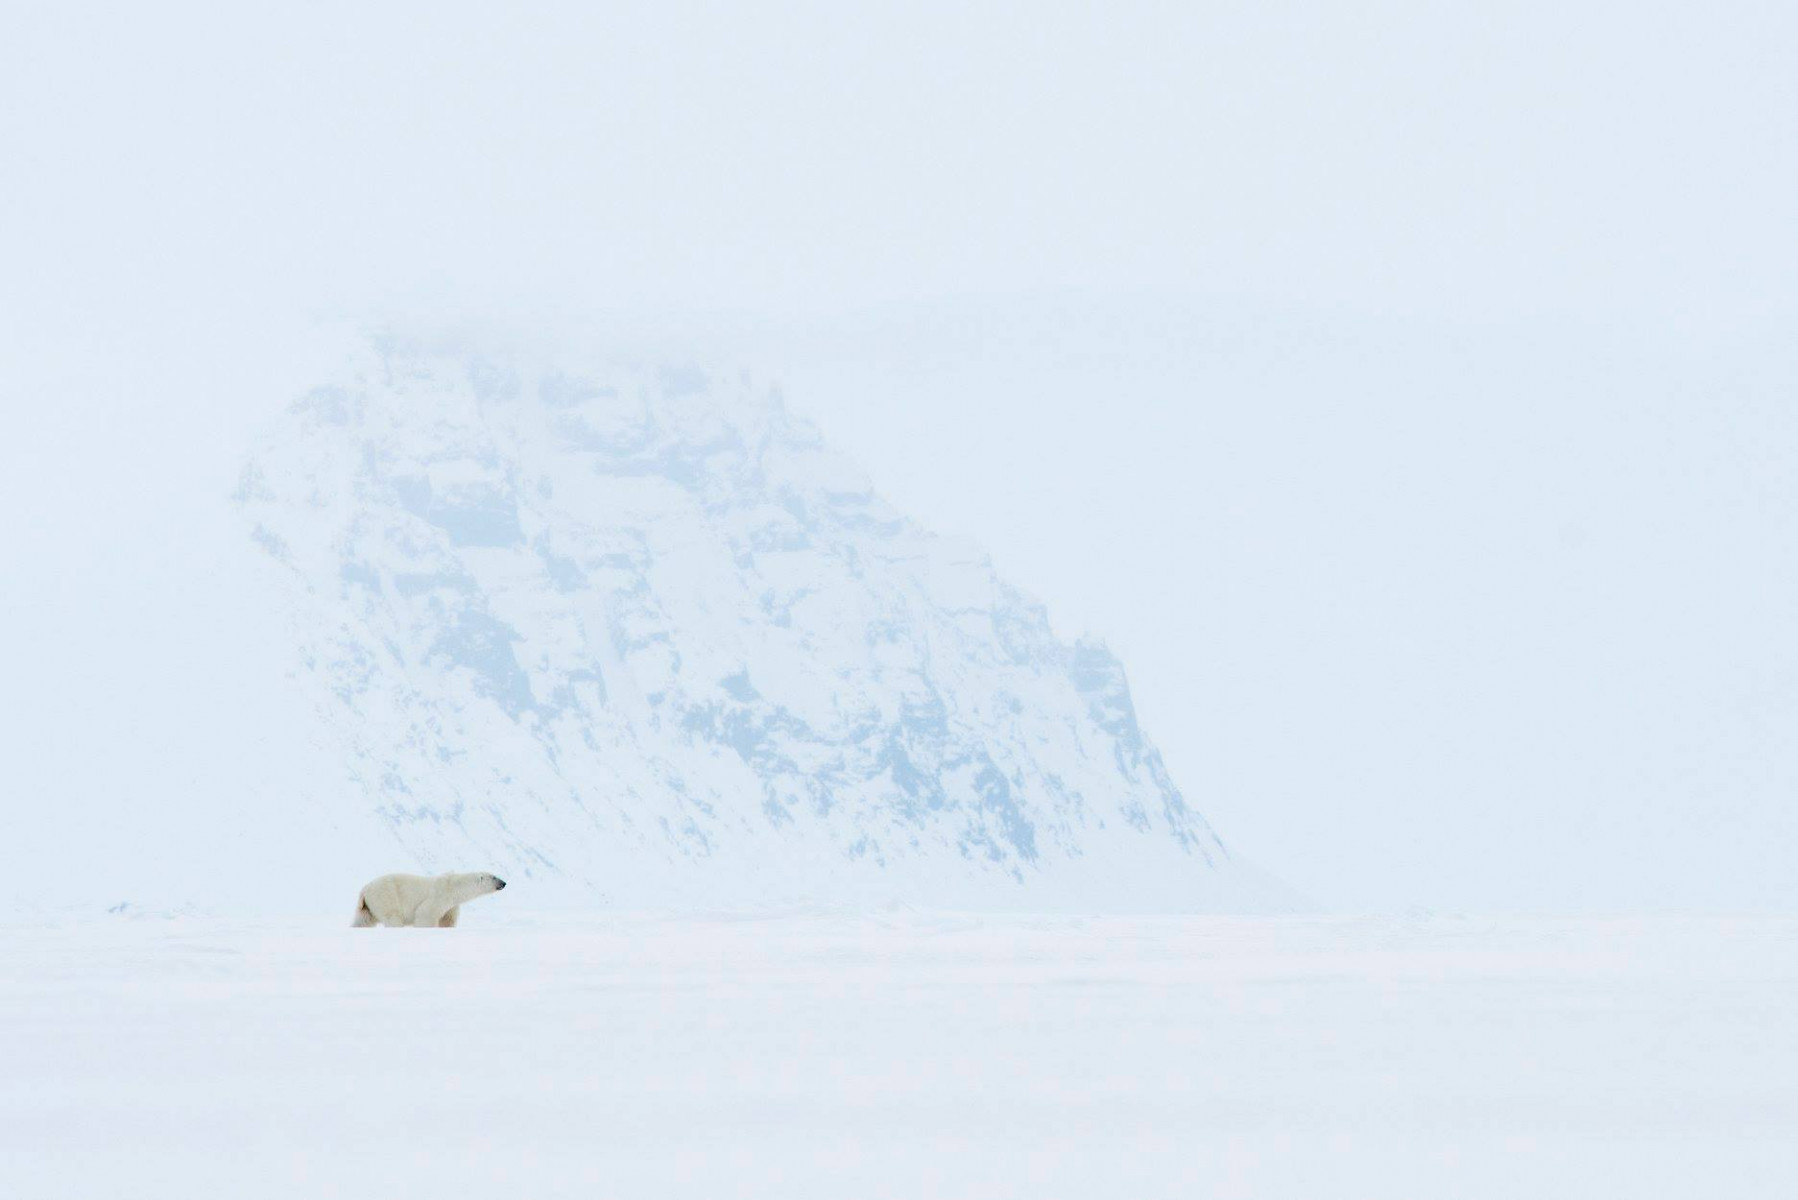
x: 468, y: 886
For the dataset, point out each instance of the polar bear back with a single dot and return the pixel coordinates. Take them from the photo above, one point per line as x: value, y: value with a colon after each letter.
x: 398, y: 899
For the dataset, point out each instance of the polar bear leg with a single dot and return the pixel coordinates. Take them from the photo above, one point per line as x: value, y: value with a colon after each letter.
x: 448, y: 919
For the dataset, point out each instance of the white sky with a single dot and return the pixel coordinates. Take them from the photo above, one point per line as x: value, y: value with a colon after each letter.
x: 1404, y: 390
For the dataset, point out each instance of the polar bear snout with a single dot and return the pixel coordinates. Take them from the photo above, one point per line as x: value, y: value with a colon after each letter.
x: 499, y: 885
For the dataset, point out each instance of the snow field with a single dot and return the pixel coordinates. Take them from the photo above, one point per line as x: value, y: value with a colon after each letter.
x: 899, y: 1055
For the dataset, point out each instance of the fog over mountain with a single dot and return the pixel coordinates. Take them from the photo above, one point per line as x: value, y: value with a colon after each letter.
x: 1405, y: 399
x: 639, y: 636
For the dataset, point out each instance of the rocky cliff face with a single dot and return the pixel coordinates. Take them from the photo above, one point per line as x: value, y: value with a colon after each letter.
x: 640, y: 635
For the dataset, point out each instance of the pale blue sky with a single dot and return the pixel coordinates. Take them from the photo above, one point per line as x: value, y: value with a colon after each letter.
x: 1399, y: 388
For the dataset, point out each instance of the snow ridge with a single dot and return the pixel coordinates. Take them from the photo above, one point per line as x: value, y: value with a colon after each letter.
x: 638, y: 633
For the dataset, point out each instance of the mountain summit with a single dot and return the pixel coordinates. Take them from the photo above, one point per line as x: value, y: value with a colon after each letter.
x: 639, y: 637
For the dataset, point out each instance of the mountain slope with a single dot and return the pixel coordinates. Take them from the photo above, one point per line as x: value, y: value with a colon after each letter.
x: 639, y: 636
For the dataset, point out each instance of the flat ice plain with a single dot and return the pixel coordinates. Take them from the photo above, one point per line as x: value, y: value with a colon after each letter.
x: 902, y: 1055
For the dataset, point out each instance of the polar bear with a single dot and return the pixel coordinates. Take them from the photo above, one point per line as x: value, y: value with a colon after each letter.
x: 428, y: 900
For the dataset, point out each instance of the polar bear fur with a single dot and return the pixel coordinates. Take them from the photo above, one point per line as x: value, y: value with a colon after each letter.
x: 432, y: 901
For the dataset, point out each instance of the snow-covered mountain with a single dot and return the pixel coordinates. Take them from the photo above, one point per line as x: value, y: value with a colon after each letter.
x: 639, y: 637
